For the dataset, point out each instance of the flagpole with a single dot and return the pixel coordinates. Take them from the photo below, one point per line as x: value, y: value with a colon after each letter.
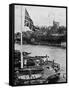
x: 22, y: 28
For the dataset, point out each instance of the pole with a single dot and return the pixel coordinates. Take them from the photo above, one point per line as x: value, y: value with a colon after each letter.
x: 22, y: 28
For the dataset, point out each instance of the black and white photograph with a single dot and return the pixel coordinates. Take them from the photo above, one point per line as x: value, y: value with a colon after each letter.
x: 40, y: 45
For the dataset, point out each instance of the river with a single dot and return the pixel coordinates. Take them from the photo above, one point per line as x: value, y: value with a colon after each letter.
x: 56, y: 53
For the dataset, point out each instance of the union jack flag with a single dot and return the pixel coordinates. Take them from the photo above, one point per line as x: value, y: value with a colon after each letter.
x: 28, y: 21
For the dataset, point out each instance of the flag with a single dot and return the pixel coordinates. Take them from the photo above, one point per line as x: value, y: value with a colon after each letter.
x: 28, y: 21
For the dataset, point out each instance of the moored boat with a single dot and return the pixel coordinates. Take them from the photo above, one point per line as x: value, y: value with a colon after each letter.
x: 37, y: 71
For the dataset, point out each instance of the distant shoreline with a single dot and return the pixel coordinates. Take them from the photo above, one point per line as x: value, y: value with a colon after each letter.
x: 50, y: 44
x: 47, y: 44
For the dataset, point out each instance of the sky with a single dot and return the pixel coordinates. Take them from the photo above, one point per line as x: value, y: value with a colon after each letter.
x: 41, y: 16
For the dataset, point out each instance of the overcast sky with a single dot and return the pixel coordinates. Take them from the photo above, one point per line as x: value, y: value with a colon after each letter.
x: 41, y: 16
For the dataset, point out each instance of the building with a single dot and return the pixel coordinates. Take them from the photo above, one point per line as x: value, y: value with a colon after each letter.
x: 55, y: 25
